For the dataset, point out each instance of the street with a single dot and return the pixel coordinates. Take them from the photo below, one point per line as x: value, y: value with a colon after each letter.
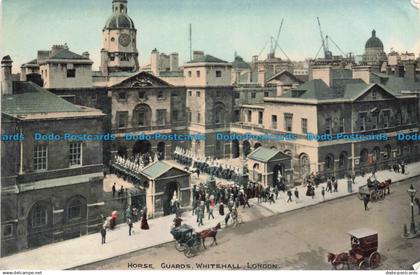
x: 298, y: 239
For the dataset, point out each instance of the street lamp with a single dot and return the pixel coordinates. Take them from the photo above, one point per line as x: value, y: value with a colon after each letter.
x: 412, y: 193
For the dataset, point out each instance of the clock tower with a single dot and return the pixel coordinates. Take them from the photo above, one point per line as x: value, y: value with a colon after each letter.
x: 119, y: 53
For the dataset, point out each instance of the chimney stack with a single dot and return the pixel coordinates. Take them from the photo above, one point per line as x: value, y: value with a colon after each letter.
x: 6, y: 76
x: 399, y: 71
x: 362, y: 72
x: 197, y: 54
x: 410, y: 71
x: 322, y: 72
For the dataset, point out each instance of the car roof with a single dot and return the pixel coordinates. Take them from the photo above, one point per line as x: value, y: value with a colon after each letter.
x: 362, y: 232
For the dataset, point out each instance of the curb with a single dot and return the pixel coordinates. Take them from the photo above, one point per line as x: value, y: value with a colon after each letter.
x: 266, y: 208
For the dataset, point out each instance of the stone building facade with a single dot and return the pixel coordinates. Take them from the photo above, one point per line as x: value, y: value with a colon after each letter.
x: 51, y: 186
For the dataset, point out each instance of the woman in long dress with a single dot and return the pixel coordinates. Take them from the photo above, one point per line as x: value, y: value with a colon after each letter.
x: 144, y: 224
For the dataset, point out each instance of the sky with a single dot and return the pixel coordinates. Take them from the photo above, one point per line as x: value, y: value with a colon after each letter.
x: 219, y: 27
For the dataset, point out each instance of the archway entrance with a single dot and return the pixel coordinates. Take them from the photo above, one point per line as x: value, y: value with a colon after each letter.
x: 39, y: 224
x: 161, y: 150
x: 246, y: 148
x: 122, y: 151
x: 278, y: 174
x: 142, y: 147
x: 171, y: 191
x: 235, y: 149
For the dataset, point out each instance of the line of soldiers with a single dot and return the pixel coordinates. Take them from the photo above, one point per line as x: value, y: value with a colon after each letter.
x: 207, y: 165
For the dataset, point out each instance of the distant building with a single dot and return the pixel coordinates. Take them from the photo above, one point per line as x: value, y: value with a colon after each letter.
x: 241, y: 71
x: 374, y: 52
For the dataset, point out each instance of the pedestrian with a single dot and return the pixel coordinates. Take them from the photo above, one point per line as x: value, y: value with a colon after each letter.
x: 200, y: 215
x: 130, y: 226
x: 128, y: 213
x: 353, y: 177
x: 221, y: 209
x: 289, y: 194
x: 335, y: 183
x: 211, y: 209
x: 198, y: 173
x: 366, y: 201
x: 246, y: 201
x: 194, y: 206
x: 271, y: 198
x: 323, y: 193
x: 276, y: 191
x: 329, y: 185
x: 402, y: 167
x: 114, y: 190
x: 144, y: 225
x: 121, y: 192
x: 103, y: 231
x: 417, y: 201
x: 312, y: 192
x: 296, y: 193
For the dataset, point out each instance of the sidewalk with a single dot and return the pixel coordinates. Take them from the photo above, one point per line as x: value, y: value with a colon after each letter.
x: 88, y: 249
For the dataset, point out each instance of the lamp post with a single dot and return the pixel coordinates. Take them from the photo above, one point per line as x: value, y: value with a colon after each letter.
x: 413, y: 231
x: 412, y: 193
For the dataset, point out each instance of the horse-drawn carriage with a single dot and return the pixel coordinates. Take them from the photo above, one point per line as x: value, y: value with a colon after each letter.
x: 374, y: 189
x: 189, y: 242
x: 363, y: 253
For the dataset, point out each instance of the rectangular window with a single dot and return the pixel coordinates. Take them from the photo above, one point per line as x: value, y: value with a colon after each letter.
x: 362, y: 121
x: 94, y: 99
x: 39, y: 217
x: 142, y: 94
x: 375, y: 121
x: 260, y: 117
x: 189, y: 116
x: 122, y: 119
x: 274, y: 121
x: 161, y: 117
x: 288, y: 122
x: 75, y: 211
x: 253, y: 95
x: 112, y: 58
x: 249, y: 116
x: 174, y: 94
x: 198, y: 118
x: 197, y: 93
x: 160, y: 95
x: 218, y: 73
x: 189, y: 73
x: 175, y: 115
x: 218, y: 94
x: 386, y: 119
x: 342, y: 125
x: 304, y: 123
x: 71, y: 73
x: 237, y: 114
x: 189, y: 93
x: 7, y: 230
x: 75, y: 153
x: 237, y: 95
x: 197, y: 73
x: 266, y: 94
x: 40, y: 157
x: 122, y: 96
x: 328, y: 126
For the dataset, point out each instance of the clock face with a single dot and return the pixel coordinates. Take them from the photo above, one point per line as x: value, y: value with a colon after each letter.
x: 124, y: 39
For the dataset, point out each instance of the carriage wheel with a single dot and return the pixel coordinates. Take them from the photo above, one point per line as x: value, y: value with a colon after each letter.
x: 363, y: 265
x: 178, y: 246
x: 207, y: 242
x: 188, y: 252
x: 374, y: 260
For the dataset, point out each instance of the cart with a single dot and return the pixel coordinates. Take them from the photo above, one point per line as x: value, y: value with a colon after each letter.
x: 186, y: 240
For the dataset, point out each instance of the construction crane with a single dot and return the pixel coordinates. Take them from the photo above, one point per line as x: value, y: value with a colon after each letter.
x: 276, y: 42
x: 327, y: 52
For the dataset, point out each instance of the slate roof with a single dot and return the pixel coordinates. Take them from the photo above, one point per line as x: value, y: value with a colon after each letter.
x: 286, y: 72
x: 239, y: 63
x: 157, y: 169
x: 207, y: 59
x: 30, y: 98
x: 313, y: 89
x: 264, y: 154
x: 66, y: 54
x: 396, y: 84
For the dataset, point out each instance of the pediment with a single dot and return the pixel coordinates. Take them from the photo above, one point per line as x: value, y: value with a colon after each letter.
x: 142, y: 80
x: 374, y: 93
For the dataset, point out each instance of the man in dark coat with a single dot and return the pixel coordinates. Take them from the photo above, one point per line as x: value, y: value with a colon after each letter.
x: 289, y: 194
x: 296, y: 193
x: 130, y: 225
x: 221, y: 209
x: 114, y: 190
x: 417, y: 201
x: 366, y: 200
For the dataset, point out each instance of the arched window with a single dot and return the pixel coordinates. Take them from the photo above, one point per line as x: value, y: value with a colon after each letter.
x: 39, y: 216
x: 329, y: 162
x: 363, y: 156
x: 74, y: 210
x: 142, y: 115
x: 304, y: 164
x: 387, y: 152
x: 219, y: 113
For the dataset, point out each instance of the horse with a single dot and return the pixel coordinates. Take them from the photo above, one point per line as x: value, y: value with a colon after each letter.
x: 339, y: 259
x: 385, y: 186
x: 210, y: 233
